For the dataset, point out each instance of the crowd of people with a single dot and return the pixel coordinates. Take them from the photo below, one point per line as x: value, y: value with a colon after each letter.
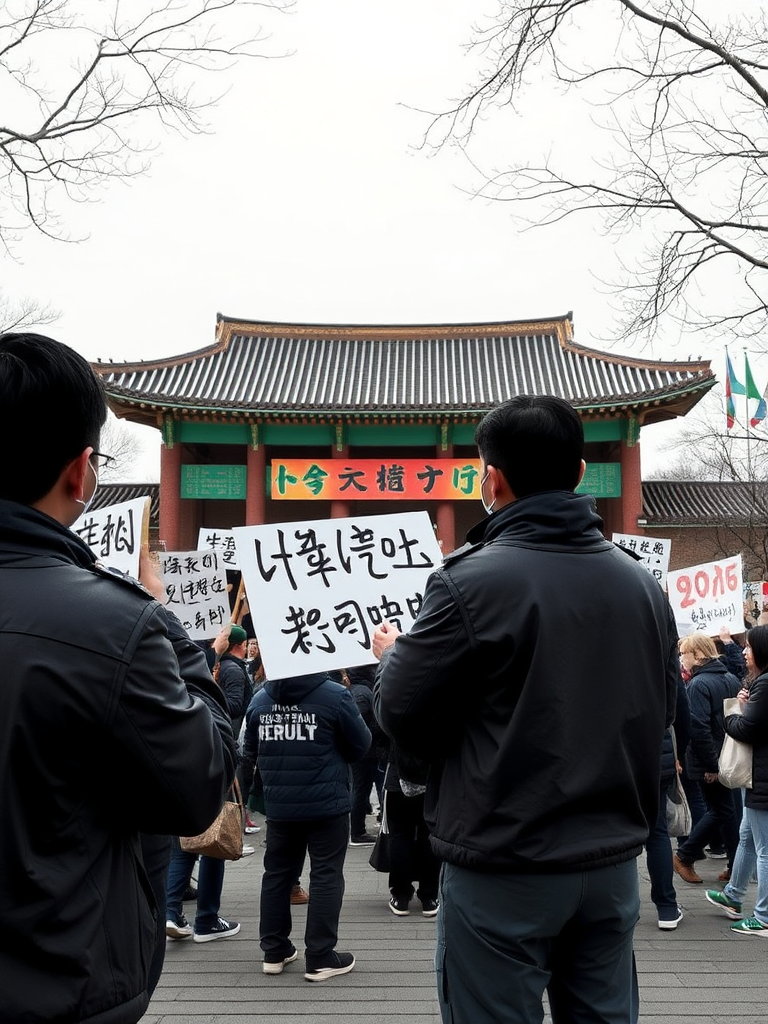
x: 520, y: 776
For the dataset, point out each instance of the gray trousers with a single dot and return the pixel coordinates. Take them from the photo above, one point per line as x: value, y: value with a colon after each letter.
x: 505, y: 939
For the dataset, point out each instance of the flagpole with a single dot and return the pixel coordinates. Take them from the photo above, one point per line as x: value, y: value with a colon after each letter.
x: 746, y: 416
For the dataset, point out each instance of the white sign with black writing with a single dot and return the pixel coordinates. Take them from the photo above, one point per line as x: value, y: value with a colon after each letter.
x: 196, y: 585
x: 222, y: 542
x: 317, y: 590
x: 708, y: 596
x: 653, y: 553
x: 115, y: 533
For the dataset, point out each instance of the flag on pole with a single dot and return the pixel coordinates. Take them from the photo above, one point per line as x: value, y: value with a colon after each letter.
x: 732, y: 387
x: 758, y: 415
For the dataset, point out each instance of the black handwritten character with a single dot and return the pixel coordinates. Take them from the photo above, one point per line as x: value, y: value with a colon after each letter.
x: 391, y: 611
x: 172, y: 566
x: 209, y: 560
x: 414, y: 604
x: 300, y: 624
x: 350, y: 478
x: 430, y: 474
x: 351, y: 620
x: 228, y: 555
x: 282, y: 555
x: 191, y: 565
x: 389, y: 548
x: 362, y: 543
x: 464, y: 479
x: 218, y: 585
x: 315, y: 478
x: 317, y: 557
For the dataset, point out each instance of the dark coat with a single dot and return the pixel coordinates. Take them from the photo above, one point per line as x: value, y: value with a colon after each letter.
x: 100, y: 739
x: 237, y: 686
x: 538, y: 680
x: 304, y: 732
x: 710, y: 684
x: 752, y: 728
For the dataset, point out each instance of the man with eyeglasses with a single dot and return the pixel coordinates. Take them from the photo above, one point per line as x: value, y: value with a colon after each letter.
x: 111, y: 726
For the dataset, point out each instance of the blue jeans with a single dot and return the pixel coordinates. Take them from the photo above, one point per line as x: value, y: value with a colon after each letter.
x: 503, y: 939
x: 658, y: 855
x: 751, y: 854
x: 210, y: 880
x: 288, y: 842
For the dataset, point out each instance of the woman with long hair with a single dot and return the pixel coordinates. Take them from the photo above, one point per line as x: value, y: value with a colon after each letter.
x: 752, y: 852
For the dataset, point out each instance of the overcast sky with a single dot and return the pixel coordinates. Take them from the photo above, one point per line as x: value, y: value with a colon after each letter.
x: 313, y: 200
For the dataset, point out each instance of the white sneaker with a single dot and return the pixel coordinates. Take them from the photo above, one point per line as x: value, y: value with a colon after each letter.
x: 248, y: 850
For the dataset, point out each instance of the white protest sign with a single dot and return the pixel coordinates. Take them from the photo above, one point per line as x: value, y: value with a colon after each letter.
x: 317, y: 590
x: 196, y: 585
x: 653, y: 553
x: 222, y: 542
x: 706, y: 597
x: 115, y: 533
x: 756, y: 603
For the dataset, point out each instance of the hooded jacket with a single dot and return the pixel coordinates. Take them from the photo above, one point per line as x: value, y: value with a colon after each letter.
x: 304, y: 732
x: 537, y: 680
x: 709, y: 686
x: 100, y: 739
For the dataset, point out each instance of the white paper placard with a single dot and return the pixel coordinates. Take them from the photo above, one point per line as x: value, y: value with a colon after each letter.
x: 196, y: 585
x: 708, y: 596
x: 115, y: 533
x: 317, y: 590
x: 653, y: 553
x: 222, y: 542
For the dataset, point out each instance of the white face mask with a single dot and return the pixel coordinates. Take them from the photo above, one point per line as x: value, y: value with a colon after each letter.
x: 87, y: 504
x: 488, y: 508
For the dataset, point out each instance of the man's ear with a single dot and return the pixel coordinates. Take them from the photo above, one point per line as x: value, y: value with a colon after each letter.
x: 500, y: 489
x: 74, y: 475
x: 582, y: 471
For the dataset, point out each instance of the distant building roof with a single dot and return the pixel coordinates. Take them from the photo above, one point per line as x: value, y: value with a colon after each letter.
x: 257, y: 370
x: 113, y: 494
x: 704, y: 503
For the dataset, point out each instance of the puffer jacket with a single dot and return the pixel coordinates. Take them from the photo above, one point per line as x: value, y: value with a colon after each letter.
x: 752, y: 727
x: 100, y: 739
x: 537, y: 680
x: 304, y: 732
x: 710, y: 684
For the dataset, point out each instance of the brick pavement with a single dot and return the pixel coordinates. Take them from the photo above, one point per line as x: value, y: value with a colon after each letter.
x: 700, y: 973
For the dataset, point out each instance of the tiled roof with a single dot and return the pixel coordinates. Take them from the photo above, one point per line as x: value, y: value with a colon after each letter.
x: 113, y: 494
x: 267, y: 368
x: 704, y: 503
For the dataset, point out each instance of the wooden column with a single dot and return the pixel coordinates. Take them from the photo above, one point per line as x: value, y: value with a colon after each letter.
x: 445, y: 514
x: 631, y: 487
x: 255, y: 494
x: 170, y: 494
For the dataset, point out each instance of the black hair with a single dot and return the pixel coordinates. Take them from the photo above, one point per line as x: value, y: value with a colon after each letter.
x: 757, y: 638
x: 52, y: 407
x: 537, y: 441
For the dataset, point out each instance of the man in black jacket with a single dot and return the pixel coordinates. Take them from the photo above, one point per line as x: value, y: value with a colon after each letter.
x: 537, y: 682
x: 107, y: 724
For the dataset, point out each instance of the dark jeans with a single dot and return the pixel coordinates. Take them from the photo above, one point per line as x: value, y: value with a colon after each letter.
x: 502, y: 939
x: 210, y: 880
x: 658, y: 855
x: 365, y: 774
x: 722, y: 817
x: 288, y: 842
x: 411, y: 855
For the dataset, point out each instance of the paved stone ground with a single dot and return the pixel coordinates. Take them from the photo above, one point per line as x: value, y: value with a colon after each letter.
x: 699, y: 973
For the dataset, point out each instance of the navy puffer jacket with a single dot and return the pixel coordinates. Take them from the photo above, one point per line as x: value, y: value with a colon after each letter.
x: 303, y: 732
x: 710, y: 684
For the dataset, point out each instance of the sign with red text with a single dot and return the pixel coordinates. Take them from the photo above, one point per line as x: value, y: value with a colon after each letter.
x: 115, y: 533
x: 317, y: 590
x: 373, y: 479
x: 706, y: 597
x: 196, y: 586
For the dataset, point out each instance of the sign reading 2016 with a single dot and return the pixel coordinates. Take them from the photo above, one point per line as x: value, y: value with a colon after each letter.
x: 706, y: 597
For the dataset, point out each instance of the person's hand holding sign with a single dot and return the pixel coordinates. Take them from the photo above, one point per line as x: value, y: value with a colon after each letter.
x: 383, y: 637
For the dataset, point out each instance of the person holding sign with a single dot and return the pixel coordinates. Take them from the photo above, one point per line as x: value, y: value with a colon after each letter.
x: 539, y: 702
x: 96, y: 717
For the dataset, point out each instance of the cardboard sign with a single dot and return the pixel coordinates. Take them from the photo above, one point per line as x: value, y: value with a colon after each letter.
x: 222, y: 542
x: 706, y: 597
x: 196, y: 585
x: 653, y: 553
x: 115, y: 533
x: 317, y: 590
